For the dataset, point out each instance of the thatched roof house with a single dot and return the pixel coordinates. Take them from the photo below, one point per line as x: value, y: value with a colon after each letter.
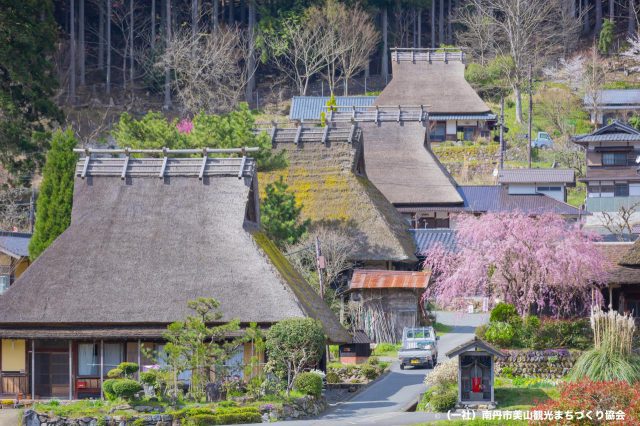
x: 623, y: 284
x: 139, y: 248
x: 329, y: 179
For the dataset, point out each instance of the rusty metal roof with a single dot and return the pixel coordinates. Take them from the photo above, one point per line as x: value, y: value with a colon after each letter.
x: 379, y: 279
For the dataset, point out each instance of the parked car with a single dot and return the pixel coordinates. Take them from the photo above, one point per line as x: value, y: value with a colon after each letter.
x: 542, y: 141
x: 419, y: 347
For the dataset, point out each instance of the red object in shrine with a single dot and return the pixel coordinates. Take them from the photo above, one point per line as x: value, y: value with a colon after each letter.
x: 476, y: 384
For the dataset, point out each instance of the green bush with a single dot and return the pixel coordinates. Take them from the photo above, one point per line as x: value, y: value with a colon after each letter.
x: 308, y: 384
x: 332, y: 377
x: 603, y: 365
x: 126, y: 388
x: 481, y: 331
x: 369, y: 371
x: 443, y: 399
x: 114, y: 373
x: 500, y: 333
x: 107, y: 388
x: 373, y: 360
x: 503, y: 312
x: 149, y: 377
x: 128, y: 368
x: 575, y: 334
x: 227, y: 404
x: 202, y: 416
x: 384, y: 348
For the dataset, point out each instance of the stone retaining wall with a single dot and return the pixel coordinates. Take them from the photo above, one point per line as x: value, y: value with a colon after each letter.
x: 300, y: 408
x: 550, y: 364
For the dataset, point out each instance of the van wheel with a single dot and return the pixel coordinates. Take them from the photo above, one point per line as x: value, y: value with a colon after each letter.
x: 401, y: 366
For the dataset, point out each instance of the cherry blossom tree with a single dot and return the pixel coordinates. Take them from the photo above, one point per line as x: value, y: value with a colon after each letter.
x: 538, y: 262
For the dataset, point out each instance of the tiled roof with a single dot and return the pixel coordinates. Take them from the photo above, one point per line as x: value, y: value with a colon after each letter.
x: 310, y: 107
x: 615, y: 97
x: 536, y: 176
x: 612, y: 173
x: 495, y: 198
x: 375, y: 279
x: 438, y: 117
x: 426, y: 239
x: 15, y: 244
x: 614, y: 132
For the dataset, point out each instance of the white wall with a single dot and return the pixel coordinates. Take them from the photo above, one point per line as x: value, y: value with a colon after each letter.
x: 519, y: 189
x: 558, y: 195
x: 451, y: 127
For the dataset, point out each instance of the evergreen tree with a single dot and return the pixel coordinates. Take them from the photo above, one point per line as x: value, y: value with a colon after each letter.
x: 605, y: 40
x: 53, y: 214
x: 27, y: 82
x: 280, y: 215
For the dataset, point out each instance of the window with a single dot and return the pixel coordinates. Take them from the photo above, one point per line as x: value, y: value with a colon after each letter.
x: 112, y: 356
x: 549, y: 188
x: 614, y: 158
x: 439, y: 132
x: 88, y: 363
x: 4, y: 283
x: 13, y: 355
x: 621, y: 190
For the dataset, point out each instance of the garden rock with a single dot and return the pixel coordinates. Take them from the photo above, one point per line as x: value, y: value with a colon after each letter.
x: 548, y: 364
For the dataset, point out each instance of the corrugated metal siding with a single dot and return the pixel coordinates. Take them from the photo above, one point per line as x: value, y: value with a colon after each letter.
x: 536, y: 176
x: 309, y: 107
x: 427, y: 239
x: 443, y: 117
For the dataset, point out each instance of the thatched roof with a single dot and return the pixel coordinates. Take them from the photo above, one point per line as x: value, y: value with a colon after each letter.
x: 632, y: 256
x: 138, y: 249
x: 329, y: 181
x: 402, y: 168
x: 439, y: 85
x: 621, y: 257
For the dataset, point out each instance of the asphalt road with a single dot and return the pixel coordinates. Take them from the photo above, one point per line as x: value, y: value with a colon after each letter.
x: 385, y: 402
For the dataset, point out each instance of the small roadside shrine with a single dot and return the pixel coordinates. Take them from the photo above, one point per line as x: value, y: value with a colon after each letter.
x: 476, y: 360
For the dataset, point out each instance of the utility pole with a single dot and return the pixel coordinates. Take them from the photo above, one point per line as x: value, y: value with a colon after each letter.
x: 530, y: 114
x: 501, y: 132
x: 320, y: 265
x: 32, y: 210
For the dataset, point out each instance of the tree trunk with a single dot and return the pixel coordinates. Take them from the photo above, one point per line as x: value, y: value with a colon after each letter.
x: 612, y: 9
x: 81, y: 45
x: 631, y: 23
x: 131, y: 34
x: 441, y: 22
x: 598, y: 16
x: 72, y: 52
x: 108, y: 48
x: 433, y: 24
x: 230, y: 18
x: 419, y: 28
x: 385, y: 45
x: 194, y: 18
x: 518, y: 95
x: 415, y: 28
x: 572, y: 8
x: 153, y: 24
x: 586, y: 24
x: 167, y: 71
x: 449, y: 29
x: 101, y: 36
x: 251, y: 78
x: 215, y: 13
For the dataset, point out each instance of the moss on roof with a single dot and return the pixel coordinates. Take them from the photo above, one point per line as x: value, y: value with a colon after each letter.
x: 323, y: 181
x: 311, y: 302
x: 632, y: 257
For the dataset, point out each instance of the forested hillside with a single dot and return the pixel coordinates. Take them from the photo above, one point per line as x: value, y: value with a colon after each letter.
x: 82, y: 63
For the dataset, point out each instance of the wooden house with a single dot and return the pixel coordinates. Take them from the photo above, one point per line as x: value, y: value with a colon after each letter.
x: 147, y: 235
x: 622, y: 292
x: 609, y: 105
x: 14, y: 257
x: 358, y: 351
x: 383, y: 303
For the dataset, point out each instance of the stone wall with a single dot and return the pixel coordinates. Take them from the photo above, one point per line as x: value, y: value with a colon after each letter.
x: 550, y: 363
x: 307, y: 406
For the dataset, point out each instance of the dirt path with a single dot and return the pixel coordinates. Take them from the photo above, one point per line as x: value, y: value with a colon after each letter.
x: 9, y: 417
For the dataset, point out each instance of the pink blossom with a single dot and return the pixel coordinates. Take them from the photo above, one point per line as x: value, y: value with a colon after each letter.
x: 185, y: 126
x: 528, y: 261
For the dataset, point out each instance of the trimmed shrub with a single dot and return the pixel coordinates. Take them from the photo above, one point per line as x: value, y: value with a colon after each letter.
x: 500, y: 333
x: 373, y: 360
x: 128, y: 368
x: 308, y: 384
x: 149, y: 377
x: 443, y: 399
x: 126, y: 388
x: 115, y: 373
x: 107, y: 388
x: 503, y: 312
x: 575, y: 334
x: 369, y: 371
x: 332, y: 377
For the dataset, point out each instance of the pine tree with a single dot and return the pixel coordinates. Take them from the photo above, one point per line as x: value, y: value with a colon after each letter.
x: 53, y: 214
x: 280, y: 215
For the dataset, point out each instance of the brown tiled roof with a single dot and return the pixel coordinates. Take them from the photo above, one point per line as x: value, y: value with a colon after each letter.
x: 612, y: 173
x: 374, y: 279
x: 537, y: 176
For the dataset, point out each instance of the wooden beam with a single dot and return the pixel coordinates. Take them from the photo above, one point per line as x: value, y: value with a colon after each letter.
x: 163, y: 167
x: 377, y: 114
x: 139, y: 358
x: 101, y: 368
x: 325, y: 134
x: 33, y: 369
x: 298, y: 134
x: 399, y: 113
x: 273, y: 134
x: 124, y: 167
x: 352, y: 133
x: 88, y: 151
x: 70, y: 370
x: 242, y: 163
x: 85, y: 167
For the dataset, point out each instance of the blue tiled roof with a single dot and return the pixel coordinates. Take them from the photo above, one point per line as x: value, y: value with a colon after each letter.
x: 15, y: 244
x: 309, y: 107
x: 616, y: 97
x: 495, y: 198
x: 427, y: 239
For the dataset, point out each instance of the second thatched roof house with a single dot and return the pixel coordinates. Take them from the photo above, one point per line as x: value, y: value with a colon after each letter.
x: 147, y: 235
